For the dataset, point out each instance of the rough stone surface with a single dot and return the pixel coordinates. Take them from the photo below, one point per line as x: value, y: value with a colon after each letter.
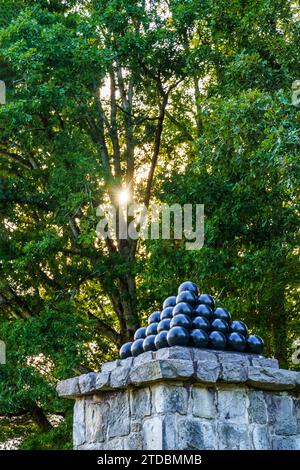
x: 257, y: 407
x: 118, y: 419
x: 170, y: 399
x: 186, y: 399
x: 232, y: 405
x: 68, y: 388
x: 204, y: 402
x: 208, y: 371
x: 271, y: 379
x: 233, y: 437
x: 196, y: 434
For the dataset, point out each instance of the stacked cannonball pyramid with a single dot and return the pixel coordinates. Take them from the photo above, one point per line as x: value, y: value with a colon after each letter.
x: 191, y: 319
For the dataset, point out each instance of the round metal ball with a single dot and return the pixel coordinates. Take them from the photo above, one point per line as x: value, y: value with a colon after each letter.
x: 149, y: 343
x: 137, y: 347
x: 188, y: 285
x: 166, y: 313
x: 236, y: 341
x: 181, y: 320
x: 206, y: 299
x: 237, y: 326
x: 222, y: 314
x: 220, y: 325
x: 161, y: 340
x: 255, y: 344
x: 125, y: 350
x: 187, y: 297
x: 140, y: 333
x: 201, y: 323
x: 178, y: 336
x: 170, y: 301
x: 204, y: 311
x: 164, y: 325
x: 183, y: 308
x: 151, y: 329
x: 154, y: 318
x: 199, y: 338
x: 217, y: 340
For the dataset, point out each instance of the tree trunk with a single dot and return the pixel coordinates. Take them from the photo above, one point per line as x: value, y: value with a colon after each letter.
x: 40, y: 418
x: 279, y: 324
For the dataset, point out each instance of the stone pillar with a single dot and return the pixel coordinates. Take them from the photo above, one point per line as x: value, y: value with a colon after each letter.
x: 186, y: 399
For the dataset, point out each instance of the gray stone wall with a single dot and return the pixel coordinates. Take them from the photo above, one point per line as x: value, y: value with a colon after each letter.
x: 185, y: 398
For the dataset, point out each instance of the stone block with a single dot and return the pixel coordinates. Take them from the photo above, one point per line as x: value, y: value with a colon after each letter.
x: 175, y: 352
x: 93, y: 446
x: 114, y: 444
x: 232, y: 406
x: 260, y: 437
x: 102, y: 381
x: 152, y: 433
x: 163, y: 369
x: 68, y: 388
x: 96, y: 416
x: 286, y: 443
x: 87, y: 383
x: 108, y: 366
x: 265, y: 362
x: 170, y: 399
x: 119, y: 377
x: 233, y: 373
x: 207, y: 371
x: 134, y: 441
x: 79, y: 422
x: 144, y: 357
x: 271, y: 379
x: 140, y: 402
x: 128, y: 362
x: 282, y: 415
x: 119, y: 416
x: 233, y: 436
x: 257, y: 407
x: 199, y: 354
x: 196, y: 434
x: 204, y: 405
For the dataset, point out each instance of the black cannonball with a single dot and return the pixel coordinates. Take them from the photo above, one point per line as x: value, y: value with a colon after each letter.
x: 237, y: 326
x: 183, y: 308
x: 178, y: 336
x: 166, y: 313
x: 149, y: 343
x: 187, y: 297
x: 220, y: 325
x: 164, y: 325
x: 170, y: 301
x: 204, y: 311
x: 199, y: 338
x: 151, y: 329
x: 222, y: 314
x: 201, y: 323
x: 137, y: 347
x: 236, y: 341
x: 188, y: 285
x: 161, y: 340
x: 206, y: 299
x: 255, y: 344
x: 140, y: 333
x: 154, y: 318
x: 217, y: 340
x: 181, y: 320
x: 125, y: 350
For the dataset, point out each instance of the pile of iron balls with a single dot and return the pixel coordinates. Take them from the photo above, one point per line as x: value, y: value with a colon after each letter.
x: 192, y: 319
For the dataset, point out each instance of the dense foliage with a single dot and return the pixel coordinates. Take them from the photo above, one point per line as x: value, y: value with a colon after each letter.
x: 179, y: 101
